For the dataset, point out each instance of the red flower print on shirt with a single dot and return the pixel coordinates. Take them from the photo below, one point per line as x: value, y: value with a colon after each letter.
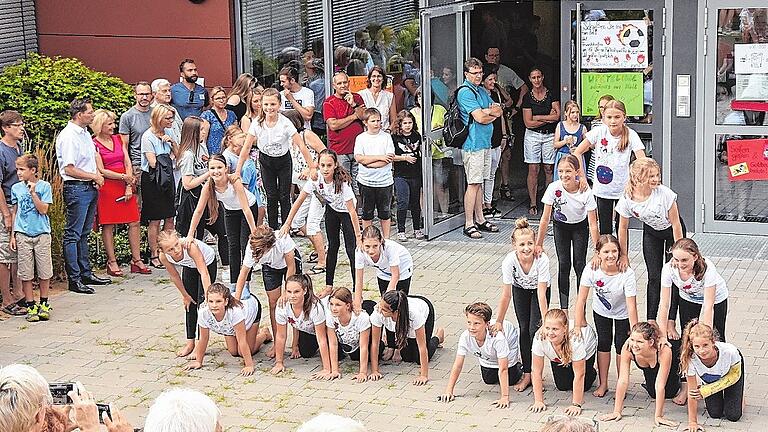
x: 687, y: 287
x: 291, y: 321
x: 635, y: 213
x: 558, y: 193
x: 600, y: 283
x: 604, y: 142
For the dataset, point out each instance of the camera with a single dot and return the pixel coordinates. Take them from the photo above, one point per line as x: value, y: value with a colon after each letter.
x: 60, y: 391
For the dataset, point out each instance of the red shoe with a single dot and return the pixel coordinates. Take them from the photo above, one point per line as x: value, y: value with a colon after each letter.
x: 139, y: 269
x: 115, y: 273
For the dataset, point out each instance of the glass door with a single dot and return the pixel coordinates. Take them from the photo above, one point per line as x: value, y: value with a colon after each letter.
x: 443, y: 48
x: 735, y: 160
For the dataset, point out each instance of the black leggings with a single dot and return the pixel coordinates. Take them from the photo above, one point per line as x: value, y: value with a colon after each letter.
x: 566, y: 235
x: 656, y: 247
x: 605, y: 332
x: 727, y: 403
x: 689, y: 311
x: 276, y: 175
x: 605, y: 222
x: 563, y: 375
x: 193, y: 284
x: 491, y: 375
x: 403, y: 285
x: 410, y: 353
x: 528, y: 319
x: 238, y: 233
x: 187, y: 203
x: 307, y: 344
x: 335, y: 223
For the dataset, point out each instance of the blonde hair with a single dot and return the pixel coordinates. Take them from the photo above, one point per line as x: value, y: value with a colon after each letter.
x: 216, y: 90
x: 694, y: 329
x: 100, y: 117
x: 568, y: 105
x: 568, y: 424
x: 522, y: 227
x: 606, y: 98
x: 166, y: 236
x: 233, y: 132
x: 639, y: 172
x: 23, y: 393
x: 619, y: 105
x: 158, y: 112
x: 565, y: 351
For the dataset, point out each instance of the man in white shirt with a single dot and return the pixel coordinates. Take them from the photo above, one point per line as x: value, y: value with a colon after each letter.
x: 296, y: 97
x: 76, y: 155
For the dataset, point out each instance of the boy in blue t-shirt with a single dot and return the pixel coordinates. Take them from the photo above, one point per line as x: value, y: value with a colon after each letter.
x: 31, y: 236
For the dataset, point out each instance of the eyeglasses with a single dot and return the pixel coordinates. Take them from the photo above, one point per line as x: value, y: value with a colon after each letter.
x: 602, y: 107
x: 220, y: 98
x: 475, y: 73
x: 17, y: 124
x: 144, y: 94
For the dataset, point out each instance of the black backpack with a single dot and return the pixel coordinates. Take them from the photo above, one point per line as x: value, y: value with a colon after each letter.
x: 455, y: 132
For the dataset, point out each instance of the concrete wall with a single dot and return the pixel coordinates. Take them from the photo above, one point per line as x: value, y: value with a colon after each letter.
x: 141, y: 39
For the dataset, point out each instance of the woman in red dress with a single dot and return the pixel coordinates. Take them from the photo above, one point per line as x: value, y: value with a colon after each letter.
x: 117, y: 204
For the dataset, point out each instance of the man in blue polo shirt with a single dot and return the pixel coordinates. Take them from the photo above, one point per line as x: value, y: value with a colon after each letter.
x: 188, y: 97
x: 474, y: 100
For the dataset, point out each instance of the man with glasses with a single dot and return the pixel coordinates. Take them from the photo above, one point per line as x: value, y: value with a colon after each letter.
x: 134, y: 122
x: 343, y: 113
x: 474, y: 100
x: 12, y: 126
x: 188, y: 97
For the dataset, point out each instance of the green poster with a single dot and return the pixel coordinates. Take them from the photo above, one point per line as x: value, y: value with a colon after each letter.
x: 624, y: 86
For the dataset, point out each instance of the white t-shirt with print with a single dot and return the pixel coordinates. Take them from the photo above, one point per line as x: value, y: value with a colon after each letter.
x: 392, y: 254
x: 512, y: 273
x: 610, y: 292
x: 348, y: 335
x: 246, y: 314
x: 305, y: 97
x: 327, y: 191
x: 418, y: 311
x: 691, y: 289
x: 728, y: 355
x: 567, y: 207
x: 284, y: 316
x: 275, y: 257
x: 582, y: 349
x: 273, y: 141
x: 653, y: 212
x: 506, y: 344
x: 611, y: 165
x: 374, y: 145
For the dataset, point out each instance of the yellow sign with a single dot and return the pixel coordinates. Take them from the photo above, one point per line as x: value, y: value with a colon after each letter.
x: 624, y: 86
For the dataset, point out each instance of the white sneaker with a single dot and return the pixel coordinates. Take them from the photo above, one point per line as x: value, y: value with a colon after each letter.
x: 401, y: 237
x: 418, y: 235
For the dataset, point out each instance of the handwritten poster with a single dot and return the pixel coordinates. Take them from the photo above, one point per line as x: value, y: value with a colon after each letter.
x: 624, y: 86
x: 614, y: 44
x: 750, y: 58
x: 747, y: 159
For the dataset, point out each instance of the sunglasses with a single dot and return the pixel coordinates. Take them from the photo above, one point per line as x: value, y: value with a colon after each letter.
x: 191, y: 97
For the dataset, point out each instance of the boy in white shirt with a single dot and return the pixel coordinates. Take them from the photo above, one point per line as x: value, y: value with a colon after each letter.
x: 375, y: 152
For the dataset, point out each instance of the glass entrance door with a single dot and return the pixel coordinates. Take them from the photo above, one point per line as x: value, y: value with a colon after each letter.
x: 735, y: 160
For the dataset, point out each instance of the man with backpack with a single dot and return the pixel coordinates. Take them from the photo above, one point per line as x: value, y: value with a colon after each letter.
x: 478, y: 112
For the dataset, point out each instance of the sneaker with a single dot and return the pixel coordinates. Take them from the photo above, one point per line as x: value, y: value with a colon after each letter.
x: 44, y: 311
x: 401, y: 237
x: 418, y: 235
x: 32, y: 313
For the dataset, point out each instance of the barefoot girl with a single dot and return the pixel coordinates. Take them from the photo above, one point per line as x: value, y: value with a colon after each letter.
x: 333, y: 186
x: 572, y: 360
x: 349, y: 332
x: 568, y: 133
x: 237, y: 321
x: 198, y: 262
x: 715, y: 373
x: 614, y: 305
x: 574, y: 222
x: 393, y: 263
x: 646, y: 199
x: 304, y: 312
x: 525, y: 279
x: 613, y: 145
x: 660, y: 366
x: 408, y: 322
x: 499, y: 354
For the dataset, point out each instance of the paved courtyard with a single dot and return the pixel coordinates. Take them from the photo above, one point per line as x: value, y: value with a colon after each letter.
x: 120, y: 344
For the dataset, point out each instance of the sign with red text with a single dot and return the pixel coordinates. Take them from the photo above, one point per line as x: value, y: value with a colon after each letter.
x: 614, y: 44
x: 747, y: 159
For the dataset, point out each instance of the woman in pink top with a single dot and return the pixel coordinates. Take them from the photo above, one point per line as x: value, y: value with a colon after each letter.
x: 117, y: 203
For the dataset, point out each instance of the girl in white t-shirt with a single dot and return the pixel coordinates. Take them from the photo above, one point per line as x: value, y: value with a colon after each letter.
x: 714, y: 372
x: 198, y: 263
x: 304, y: 312
x: 237, y: 321
x: 349, y: 332
x: 654, y: 204
x: 574, y: 222
x: 499, y: 353
x: 614, y: 305
x: 333, y: 188
x: 408, y: 322
x: 525, y: 281
x: 703, y: 292
x: 393, y: 263
x: 612, y: 144
x: 572, y: 358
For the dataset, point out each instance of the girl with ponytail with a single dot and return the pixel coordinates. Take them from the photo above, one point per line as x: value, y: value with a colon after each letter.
x: 408, y: 323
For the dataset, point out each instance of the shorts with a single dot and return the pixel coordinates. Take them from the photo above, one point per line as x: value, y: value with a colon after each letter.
x: 273, y: 278
x: 34, y: 252
x: 7, y: 256
x: 539, y: 147
x: 376, y: 198
x: 477, y: 165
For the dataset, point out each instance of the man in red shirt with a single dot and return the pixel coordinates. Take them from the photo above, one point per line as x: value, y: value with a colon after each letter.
x: 343, y: 113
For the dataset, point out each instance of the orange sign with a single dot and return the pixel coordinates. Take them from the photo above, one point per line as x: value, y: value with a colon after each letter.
x: 747, y: 159
x: 357, y: 83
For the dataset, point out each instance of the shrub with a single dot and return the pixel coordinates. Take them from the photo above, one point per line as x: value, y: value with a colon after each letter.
x: 123, y: 256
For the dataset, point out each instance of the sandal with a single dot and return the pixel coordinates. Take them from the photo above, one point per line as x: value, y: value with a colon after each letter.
x: 487, y: 227
x: 14, y: 310
x: 472, y: 232
x: 137, y: 266
x: 155, y: 262
x: 115, y: 273
x: 315, y: 270
x: 312, y: 258
x: 506, y: 193
x: 533, y: 210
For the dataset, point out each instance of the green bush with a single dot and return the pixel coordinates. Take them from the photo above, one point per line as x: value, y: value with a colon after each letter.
x: 123, y: 256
